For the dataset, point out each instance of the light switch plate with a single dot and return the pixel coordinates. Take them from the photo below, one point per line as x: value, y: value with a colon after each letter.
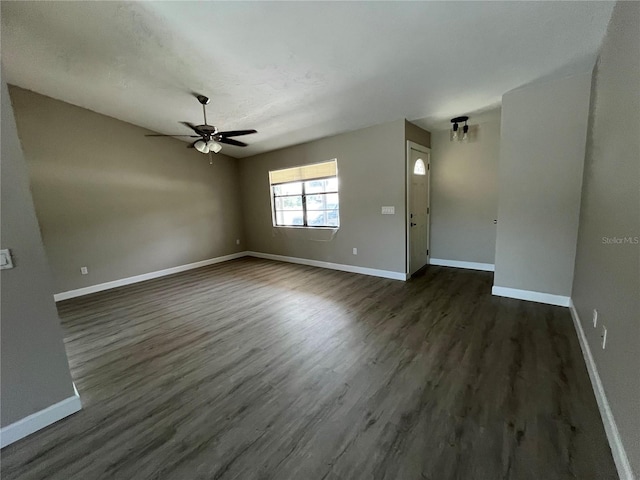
x: 5, y: 259
x: 388, y: 210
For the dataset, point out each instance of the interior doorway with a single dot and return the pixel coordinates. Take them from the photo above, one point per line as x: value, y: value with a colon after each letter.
x: 418, y: 208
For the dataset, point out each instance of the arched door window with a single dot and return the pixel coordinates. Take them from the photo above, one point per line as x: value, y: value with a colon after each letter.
x: 419, y: 168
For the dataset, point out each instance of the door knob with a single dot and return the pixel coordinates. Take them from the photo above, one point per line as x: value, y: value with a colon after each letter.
x: 413, y: 224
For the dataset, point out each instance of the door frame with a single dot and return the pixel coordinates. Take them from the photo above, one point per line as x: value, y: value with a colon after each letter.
x: 409, y: 172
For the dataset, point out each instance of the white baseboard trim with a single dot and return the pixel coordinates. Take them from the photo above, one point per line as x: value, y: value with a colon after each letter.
x: 39, y: 420
x: 531, y: 296
x: 333, y: 266
x: 182, y: 268
x: 145, y: 276
x: 610, y: 427
x: 487, y: 267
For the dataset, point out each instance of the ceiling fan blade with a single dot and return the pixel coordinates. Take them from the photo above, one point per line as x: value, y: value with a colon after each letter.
x: 236, y: 133
x: 177, y: 135
x: 192, y: 127
x: 231, y: 141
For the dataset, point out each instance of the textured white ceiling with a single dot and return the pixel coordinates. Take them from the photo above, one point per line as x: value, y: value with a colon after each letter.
x: 295, y: 71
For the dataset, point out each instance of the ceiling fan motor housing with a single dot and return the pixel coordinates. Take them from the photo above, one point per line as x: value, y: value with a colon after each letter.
x: 207, y: 129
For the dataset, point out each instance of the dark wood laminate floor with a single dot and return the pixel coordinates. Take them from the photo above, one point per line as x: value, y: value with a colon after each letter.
x: 254, y: 369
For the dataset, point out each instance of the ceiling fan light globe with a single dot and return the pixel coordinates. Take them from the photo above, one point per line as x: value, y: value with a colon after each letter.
x: 215, y: 147
x: 201, y: 146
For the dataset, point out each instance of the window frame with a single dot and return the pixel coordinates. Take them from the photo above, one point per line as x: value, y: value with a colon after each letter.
x: 304, y: 195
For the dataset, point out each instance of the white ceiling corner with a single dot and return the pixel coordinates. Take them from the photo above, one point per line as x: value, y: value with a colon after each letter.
x: 295, y: 71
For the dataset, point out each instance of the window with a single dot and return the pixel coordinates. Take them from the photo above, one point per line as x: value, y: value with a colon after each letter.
x: 306, y: 196
x: 419, y: 169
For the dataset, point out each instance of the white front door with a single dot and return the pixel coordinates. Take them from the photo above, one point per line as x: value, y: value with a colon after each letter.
x: 419, y: 169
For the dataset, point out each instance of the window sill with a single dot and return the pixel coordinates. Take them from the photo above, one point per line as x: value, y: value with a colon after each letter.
x: 301, y: 227
x: 305, y: 234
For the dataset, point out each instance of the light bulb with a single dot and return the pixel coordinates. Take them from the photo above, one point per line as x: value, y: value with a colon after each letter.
x: 465, y: 131
x: 215, y: 147
x: 201, y: 146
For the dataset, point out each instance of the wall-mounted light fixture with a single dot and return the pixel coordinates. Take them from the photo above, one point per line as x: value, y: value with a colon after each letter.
x: 455, y: 130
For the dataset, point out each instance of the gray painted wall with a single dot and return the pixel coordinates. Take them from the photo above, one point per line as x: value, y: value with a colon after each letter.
x: 607, y: 275
x: 371, y: 170
x: 415, y: 134
x: 543, y: 135
x: 34, y: 371
x: 464, y: 194
x: 120, y: 203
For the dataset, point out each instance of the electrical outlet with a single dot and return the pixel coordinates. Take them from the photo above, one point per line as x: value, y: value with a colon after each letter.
x: 604, y: 337
x: 84, y: 270
x: 355, y: 251
x: 595, y: 318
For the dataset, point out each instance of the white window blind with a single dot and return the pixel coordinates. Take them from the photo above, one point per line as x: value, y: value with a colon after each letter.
x: 304, y: 172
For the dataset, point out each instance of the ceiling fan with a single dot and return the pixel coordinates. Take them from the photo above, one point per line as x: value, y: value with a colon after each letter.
x: 209, y: 138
